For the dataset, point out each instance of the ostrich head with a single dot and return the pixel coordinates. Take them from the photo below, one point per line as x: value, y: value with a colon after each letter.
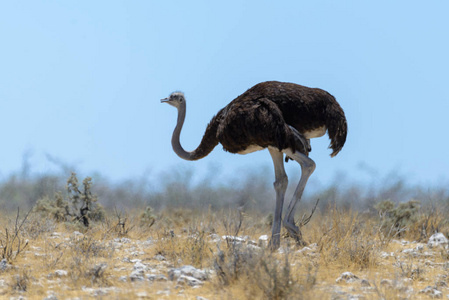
x: 176, y: 99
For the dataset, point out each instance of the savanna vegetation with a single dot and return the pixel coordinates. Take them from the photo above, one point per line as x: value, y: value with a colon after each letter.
x: 67, y: 236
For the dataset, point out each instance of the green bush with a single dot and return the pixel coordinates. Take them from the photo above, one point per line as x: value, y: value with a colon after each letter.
x: 147, y: 217
x: 78, y: 206
x: 397, y: 219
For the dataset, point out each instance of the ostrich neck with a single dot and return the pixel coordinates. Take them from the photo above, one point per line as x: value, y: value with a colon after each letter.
x: 175, y: 141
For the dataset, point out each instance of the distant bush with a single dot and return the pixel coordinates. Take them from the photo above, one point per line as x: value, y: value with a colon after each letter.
x: 181, y: 188
x: 147, y: 217
x: 79, y: 205
x: 397, y: 219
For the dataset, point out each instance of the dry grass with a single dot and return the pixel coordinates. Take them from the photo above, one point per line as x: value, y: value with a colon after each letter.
x: 97, y: 257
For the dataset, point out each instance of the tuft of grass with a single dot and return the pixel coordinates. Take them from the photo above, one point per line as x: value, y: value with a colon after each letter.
x: 349, y: 240
x: 265, y: 275
x: 122, y: 226
x: 410, y: 270
x: 21, y: 281
x: 193, y: 248
x: 12, y: 241
x: 87, y: 260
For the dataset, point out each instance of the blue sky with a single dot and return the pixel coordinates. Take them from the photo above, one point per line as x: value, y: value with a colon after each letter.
x: 81, y: 81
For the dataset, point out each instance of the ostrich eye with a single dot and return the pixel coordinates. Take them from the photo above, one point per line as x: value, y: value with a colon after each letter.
x: 180, y: 99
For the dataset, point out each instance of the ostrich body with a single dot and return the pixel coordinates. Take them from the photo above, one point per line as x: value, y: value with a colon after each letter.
x: 280, y: 116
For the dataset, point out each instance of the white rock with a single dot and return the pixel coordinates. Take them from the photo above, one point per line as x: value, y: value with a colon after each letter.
x: 437, y: 240
x: 100, y: 291
x: 402, y: 242
x: 188, y: 280
x: 386, y: 282
x: 122, y: 240
x: 187, y: 271
x: 234, y: 239
x: 347, y: 277
x: 138, y: 272
x: 253, y: 247
x: 432, y: 292
x: 156, y: 277
x: 148, y: 242
x: 263, y: 238
x: 365, y: 283
x: 4, y: 264
x: 141, y: 294
x: 263, y: 241
x: 384, y: 254
x: 78, y: 234
x: 61, y: 273
x: 419, y: 247
x: 214, y: 237
x: 137, y: 275
x: 137, y: 253
x: 139, y: 266
x: 441, y: 284
x: 304, y: 250
x: 283, y: 250
x: 165, y: 292
x: 313, y: 246
x: 159, y: 257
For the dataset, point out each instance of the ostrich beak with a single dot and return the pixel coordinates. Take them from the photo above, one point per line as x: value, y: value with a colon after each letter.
x: 165, y: 100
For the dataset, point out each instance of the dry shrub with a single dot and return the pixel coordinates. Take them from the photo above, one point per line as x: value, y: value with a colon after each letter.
x: 397, y: 219
x: 262, y: 274
x: 431, y: 219
x: 410, y: 220
x: 232, y: 222
x: 410, y: 270
x: 120, y: 225
x: 349, y: 239
x: 12, y: 242
x: 257, y: 271
x: 21, y: 281
x: 193, y: 249
x: 86, y: 254
x: 36, y: 226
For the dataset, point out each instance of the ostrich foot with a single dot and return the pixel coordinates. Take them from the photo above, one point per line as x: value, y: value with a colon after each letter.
x: 275, y: 242
x: 294, y: 232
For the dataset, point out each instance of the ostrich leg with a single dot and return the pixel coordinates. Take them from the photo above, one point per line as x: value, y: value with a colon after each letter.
x: 280, y: 186
x: 307, y: 168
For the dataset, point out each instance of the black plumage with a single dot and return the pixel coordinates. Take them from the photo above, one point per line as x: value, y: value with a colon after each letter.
x: 261, y: 117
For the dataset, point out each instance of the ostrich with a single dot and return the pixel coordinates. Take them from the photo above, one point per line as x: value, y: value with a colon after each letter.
x: 280, y: 116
